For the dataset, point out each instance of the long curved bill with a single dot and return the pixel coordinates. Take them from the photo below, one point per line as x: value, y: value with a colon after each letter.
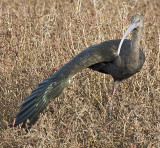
x: 130, y: 28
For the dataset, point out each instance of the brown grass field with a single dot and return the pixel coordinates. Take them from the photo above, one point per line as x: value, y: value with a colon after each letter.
x: 37, y: 37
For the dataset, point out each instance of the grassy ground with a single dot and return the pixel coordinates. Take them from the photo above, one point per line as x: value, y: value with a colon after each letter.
x: 37, y: 37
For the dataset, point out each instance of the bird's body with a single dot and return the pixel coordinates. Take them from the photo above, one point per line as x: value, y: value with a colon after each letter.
x: 118, y: 68
x: 103, y: 57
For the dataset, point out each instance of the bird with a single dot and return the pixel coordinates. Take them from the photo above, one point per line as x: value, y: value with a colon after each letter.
x: 130, y: 59
x: 120, y: 58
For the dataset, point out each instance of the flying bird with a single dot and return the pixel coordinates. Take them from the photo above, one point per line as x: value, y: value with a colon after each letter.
x: 120, y: 58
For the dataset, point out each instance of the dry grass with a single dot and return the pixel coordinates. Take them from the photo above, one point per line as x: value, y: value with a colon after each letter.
x: 37, y: 37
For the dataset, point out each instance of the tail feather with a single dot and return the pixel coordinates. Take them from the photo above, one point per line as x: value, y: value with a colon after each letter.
x: 39, y: 99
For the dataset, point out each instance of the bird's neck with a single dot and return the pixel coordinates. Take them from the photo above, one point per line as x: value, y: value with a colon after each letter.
x: 135, y: 43
x: 133, y: 57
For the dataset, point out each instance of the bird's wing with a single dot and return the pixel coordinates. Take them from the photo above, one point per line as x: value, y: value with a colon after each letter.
x: 39, y: 99
x: 100, y: 67
x: 53, y: 86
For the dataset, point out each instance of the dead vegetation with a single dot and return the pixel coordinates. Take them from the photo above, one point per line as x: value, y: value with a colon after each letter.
x: 37, y: 37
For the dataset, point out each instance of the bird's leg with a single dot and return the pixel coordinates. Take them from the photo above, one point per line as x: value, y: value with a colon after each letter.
x: 115, y: 86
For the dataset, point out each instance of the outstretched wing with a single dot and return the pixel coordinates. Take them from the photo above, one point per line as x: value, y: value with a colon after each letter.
x: 39, y: 99
x: 54, y: 85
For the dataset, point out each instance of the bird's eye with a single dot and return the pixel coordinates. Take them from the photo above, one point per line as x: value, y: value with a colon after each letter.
x: 138, y: 21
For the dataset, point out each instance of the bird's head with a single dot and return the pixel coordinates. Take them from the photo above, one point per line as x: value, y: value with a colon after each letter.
x: 137, y: 21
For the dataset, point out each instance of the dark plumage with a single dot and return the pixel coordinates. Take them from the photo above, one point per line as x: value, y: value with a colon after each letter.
x: 102, y: 57
x: 131, y: 57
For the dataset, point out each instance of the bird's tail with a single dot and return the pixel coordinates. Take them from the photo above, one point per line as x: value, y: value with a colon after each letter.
x: 39, y: 99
